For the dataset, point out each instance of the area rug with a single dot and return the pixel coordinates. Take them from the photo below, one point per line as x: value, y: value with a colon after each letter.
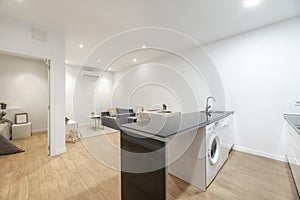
x: 105, y: 149
x: 88, y: 132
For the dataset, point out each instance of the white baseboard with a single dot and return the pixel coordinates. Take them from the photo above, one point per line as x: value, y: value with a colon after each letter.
x: 39, y: 130
x: 58, y: 152
x: 281, y: 158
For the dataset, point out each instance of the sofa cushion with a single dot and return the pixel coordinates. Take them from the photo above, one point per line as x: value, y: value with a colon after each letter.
x: 112, y: 112
x: 124, y: 111
x: 109, y: 117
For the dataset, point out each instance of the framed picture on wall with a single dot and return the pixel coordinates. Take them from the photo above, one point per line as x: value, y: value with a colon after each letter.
x: 21, y: 118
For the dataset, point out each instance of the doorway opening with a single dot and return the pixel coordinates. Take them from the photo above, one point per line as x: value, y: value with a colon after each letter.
x: 25, y: 90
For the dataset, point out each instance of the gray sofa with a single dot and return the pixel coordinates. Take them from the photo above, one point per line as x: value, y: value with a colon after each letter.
x: 115, y: 122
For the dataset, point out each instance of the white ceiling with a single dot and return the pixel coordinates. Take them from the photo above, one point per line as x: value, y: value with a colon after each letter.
x: 90, y: 22
x: 143, y: 56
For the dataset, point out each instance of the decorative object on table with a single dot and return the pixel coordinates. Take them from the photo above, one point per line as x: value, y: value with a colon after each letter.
x: 164, y: 107
x: 3, y: 120
x: 3, y: 105
x: 7, y: 147
x: 66, y: 120
x: 139, y: 109
x: 21, y: 118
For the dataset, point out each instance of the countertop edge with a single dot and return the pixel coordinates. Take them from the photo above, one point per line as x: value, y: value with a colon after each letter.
x: 291, y: 123
x: 165, y: 139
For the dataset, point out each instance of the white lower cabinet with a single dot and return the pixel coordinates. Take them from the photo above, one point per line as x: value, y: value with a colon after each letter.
x: 228, y: 134
x: 293, y: 152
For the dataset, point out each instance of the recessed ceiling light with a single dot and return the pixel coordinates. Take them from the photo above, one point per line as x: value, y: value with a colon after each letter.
x: 250, y: 3
x: 109, y: 69
x: 67, y: 61
x: 81, y: 46
x: 135, y: 60
x: 98, y: 61
x: 144, y: 46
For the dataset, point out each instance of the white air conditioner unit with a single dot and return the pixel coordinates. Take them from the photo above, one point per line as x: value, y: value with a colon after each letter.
x: 90, y: 73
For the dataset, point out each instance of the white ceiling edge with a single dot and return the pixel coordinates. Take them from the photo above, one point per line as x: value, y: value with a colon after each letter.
x: 19, y: 55
x: 252, y: 30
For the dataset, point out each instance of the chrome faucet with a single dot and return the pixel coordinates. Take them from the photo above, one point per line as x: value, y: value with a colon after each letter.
x: 207, y: 107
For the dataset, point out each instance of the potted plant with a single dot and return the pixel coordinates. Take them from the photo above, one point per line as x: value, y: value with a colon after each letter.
x: 3, y: 105
x: 164, y: 106
x: 66, y: 120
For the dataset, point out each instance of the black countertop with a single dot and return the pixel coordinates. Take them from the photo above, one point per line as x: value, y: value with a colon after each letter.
x: 167, y: 126
x: 294, y: 121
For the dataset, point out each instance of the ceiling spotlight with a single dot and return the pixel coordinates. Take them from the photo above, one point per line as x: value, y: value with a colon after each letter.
x: 135, y: 60
x: 81, y: 46
x: 98, y: 61
x: 250, y: 3
x: 144, y: 46
x: 67, y: 61
x: 109, y: 69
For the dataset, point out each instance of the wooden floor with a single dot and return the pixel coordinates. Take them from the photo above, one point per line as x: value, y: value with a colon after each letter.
x: 77, y: 175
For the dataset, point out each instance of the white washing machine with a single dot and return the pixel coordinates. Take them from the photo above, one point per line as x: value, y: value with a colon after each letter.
x: 216, y: 150
x: 202, y: 161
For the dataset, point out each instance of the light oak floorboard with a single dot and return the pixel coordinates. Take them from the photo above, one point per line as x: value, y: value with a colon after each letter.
x: 77, y: 175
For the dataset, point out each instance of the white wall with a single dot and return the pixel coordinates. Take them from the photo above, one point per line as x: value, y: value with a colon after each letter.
x: 71, y: 75
x: 153, y: 96
x: 103, y: 92
x: 182, y: 81
x: 24, y: 84
x: 197, y: 61
x: 15, y: 36
x: 91, y: 95
x: 260, y: 72
x: 149, y: 77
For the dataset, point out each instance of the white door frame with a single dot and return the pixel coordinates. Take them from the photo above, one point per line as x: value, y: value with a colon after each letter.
x: 48, y: 63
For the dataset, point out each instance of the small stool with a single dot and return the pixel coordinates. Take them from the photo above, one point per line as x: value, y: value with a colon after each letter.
x: 21, y: 130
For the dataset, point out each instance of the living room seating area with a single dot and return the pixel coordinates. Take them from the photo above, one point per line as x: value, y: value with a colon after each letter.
x: 115, y: 117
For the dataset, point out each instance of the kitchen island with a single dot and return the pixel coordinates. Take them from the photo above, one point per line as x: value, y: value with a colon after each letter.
x: 144, y: 152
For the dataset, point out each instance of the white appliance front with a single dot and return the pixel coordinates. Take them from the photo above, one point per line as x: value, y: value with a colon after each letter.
x: 213, y: 149
x: 217, y: 151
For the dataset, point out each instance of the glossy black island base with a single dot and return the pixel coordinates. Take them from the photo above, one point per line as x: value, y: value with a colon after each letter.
x: 138, y: 180
x: 144, y: 153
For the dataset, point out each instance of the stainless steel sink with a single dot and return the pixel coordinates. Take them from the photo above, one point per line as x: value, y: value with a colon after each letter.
x: 153, y: 110
x: 214, y: 111
x: 165, y: 111
x: 297, y: 125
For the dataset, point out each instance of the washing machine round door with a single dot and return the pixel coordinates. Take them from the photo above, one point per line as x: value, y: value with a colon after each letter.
x: 214, y: 150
